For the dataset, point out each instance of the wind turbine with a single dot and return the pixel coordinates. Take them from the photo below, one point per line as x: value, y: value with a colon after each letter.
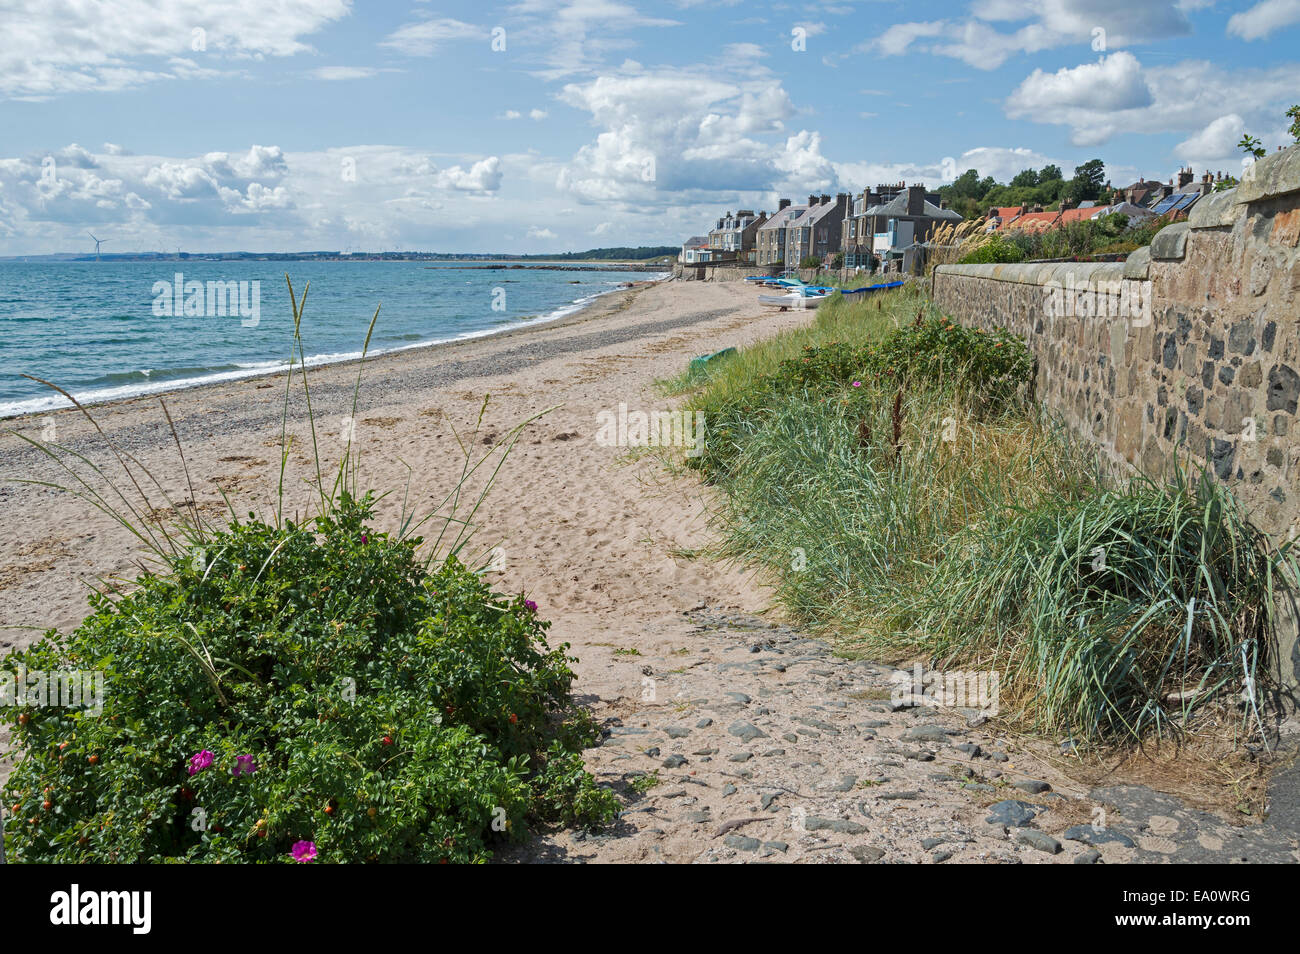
x: 98, y: 242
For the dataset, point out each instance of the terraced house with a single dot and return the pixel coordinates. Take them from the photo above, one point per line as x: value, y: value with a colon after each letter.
x: 735, y: 234
x: 770, y: 237
x: 885, y: 223
x: 817, y: 229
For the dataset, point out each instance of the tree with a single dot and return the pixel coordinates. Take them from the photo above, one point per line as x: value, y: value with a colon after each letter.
x: 1088, y: 180
x: 1049, y: 174
x: 967, y: 185
x: 1026, y: 178
x: 1252, y: 147
x: 1293, y: 114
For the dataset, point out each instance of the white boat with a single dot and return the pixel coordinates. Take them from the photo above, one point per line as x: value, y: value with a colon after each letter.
x: 792, y: 300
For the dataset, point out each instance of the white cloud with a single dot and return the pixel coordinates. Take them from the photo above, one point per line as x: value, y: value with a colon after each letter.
x: 537, y: 114
x: 55, y: 48
x: 426, y: 36
x: 510, y: 114
x: 536, y: 233
x: 1217, y: 142
x: 1114, y: 83
x: 1264, y: 18
x: 1183, y: 97
x: 483, y: 176
x: 975, y: 39
x: 333, y: 73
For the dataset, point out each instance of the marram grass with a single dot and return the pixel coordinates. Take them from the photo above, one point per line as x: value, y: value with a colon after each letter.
x: 984, y: 538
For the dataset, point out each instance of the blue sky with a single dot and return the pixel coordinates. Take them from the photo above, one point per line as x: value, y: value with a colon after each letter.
x: 549, y: 125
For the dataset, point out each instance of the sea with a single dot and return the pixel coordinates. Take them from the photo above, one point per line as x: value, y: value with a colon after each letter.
x: 110, y: 330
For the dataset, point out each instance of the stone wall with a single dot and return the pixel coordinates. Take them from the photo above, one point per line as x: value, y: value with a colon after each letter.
x: 1190, y: 348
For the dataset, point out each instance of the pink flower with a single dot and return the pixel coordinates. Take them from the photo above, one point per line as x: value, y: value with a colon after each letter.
x: 304, y: 851
x: 244, y: 765
x: 857, y: 384
x: 364, y: 538
x: 199, y: 761
x: 530, y: 606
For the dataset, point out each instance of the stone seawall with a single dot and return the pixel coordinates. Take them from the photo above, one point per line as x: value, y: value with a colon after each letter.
x: 1188, y: 350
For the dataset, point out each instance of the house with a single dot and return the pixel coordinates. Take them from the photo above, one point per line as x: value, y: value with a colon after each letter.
x: 857, y: 233
x: 736, y: 233
x: 1135, y: 213
x: 904, y: 218
x: 770, y: 237
x: 817, y: 229
x: 1000, y: 216
x: 692, y: 250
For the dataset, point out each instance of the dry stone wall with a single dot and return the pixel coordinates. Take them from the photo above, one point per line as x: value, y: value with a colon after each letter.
x: 1190, y: 348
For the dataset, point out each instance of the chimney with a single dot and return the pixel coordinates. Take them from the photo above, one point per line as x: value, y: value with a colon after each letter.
x: 783, y: 204
x: 1184, y: 177
x: 812, y: 200
x: 916, y: 200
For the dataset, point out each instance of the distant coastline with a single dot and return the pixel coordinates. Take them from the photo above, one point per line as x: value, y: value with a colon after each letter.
x: 634, y: 259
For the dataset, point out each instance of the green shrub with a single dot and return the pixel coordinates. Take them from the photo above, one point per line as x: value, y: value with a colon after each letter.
x: 810, y: 261
x: 995, y: 365
x: 391, y: 713
x: 995, y: 251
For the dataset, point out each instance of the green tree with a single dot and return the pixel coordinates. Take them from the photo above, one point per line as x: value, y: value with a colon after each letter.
x: 1049, y: 174
x: 1252, y: 147
x: 1088, y: 180
x: 1025, y: 178
x: 1293, y: 114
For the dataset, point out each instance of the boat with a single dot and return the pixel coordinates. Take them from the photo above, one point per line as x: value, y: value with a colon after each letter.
x: 871, y: 288
x: 798, y: 298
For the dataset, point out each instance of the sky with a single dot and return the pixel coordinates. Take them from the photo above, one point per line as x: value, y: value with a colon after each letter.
x: 554, y: 125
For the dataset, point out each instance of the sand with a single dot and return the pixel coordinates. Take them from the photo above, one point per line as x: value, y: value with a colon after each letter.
x: 678, y: 653
x: 586, y: 530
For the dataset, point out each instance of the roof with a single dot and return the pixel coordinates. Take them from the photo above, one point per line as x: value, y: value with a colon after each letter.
x: 1076, y: 215
x: 1034, y: 221
x: 781, y: 218
x: 1123, y: 208
x: 696, y: 241
x: 896, y: 208
x: 814, y: 214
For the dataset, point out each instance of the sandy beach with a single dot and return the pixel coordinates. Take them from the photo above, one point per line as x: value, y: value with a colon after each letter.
x: 731, y: 736
x: 584, y: 529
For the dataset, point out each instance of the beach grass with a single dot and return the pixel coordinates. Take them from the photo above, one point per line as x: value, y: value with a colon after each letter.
x: 907, y: 519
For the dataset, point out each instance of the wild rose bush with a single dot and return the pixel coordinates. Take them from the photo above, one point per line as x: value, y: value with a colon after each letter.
x: 307, y: 693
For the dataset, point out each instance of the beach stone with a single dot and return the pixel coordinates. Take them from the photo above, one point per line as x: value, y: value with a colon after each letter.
x: 676, y: 732
x: 746, y: 731
x: 740, y: 757
x: 867, y: 854
x: 939, y: 857
x: 728, y: 789
x: 1011, y: 813
x: 1089, y: 857
x: 740, y: 697
x: 742, y: 843
x: 840, y: 825
x: 844, y: 783
x: 1032, y: 786
x: 925, y: 733
x: 674, y: 761
x: 931, y: 843
x: 1091, y: 836
x: 1039, y: 840
x: 704, y: 723
x: 777, y: 846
